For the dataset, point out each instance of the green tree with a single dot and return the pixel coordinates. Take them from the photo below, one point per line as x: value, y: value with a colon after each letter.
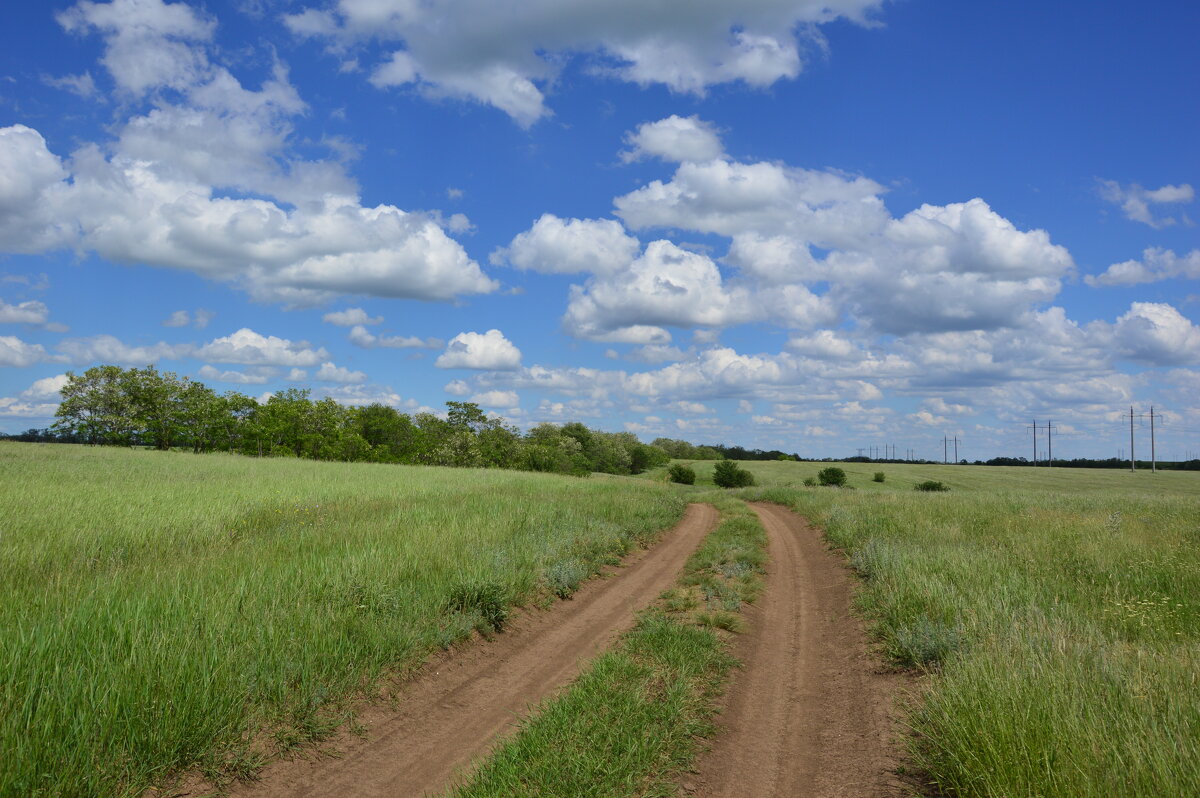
x: 96, y: 408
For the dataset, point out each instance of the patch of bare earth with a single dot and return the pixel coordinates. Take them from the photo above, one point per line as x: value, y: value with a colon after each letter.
x: 459, y: 704
x: 811, y: 713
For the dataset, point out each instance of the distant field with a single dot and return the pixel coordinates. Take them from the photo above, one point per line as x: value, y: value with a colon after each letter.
x: 159, y: 610
x: 965, y: 478
x: 1057, y: 611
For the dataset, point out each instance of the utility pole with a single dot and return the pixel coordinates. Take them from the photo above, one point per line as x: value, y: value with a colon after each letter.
x: 860, y: 452
x: 1050, y: 443
x: 945, y: 455
x: 1132, y: 461
x: 1035, y: 443
x: 956, y: 450
x: 1152, y: 460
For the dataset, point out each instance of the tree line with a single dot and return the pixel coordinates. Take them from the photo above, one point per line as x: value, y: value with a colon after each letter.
x: 108, y: 405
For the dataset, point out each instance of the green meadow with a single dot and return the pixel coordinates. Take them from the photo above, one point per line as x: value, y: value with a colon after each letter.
x: 1054, y: 615
x: 162, y: 611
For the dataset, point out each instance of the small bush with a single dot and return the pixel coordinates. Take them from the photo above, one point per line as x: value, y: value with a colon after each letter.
x: 809, y: 482
x: 878, y: 477
x: 930, y: 485
x: 683, y: 474
x: 833, y: 476
x: 489, y: 599
x: 727, y: 474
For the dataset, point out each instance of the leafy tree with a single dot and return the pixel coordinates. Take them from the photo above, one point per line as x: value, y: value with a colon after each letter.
x: 96, y: 407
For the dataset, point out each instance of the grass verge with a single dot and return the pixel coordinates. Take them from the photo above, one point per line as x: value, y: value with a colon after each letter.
x: 633, y: 722
x: 1059, y: 628
x: 162, y: 612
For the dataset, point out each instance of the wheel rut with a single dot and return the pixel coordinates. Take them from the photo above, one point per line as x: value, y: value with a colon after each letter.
x: 810, y: 715
x: 460, y: 704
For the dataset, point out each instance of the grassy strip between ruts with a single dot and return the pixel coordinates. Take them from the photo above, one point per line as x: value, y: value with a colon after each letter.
x: 631, y: 724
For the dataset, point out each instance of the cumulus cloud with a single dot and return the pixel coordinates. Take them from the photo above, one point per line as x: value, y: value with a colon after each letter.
x: 160, y: 194
x: 505, y: 53
x: 110, y: 349
x: 351, y: 317
x: 1156, y: 264
x: 248, y: 348
x: 182, y: 318
x: 569, y: 246
x: 332, y: 373
x: 45, y: 388
x: 254, y: 376
x: 489, y: 351
x: 361, y: 336
x: 670, y: 286
x: 12, y: 407
x: 674, y: 139
x: 503, y: 399
x: 1155, y: 334
x: 1136, y: 202
x: 23, y: 313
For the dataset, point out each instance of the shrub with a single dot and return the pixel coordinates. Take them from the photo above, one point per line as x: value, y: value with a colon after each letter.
x: 832, y: 476
x: 809, y: 482
x: 930, y: 485
x: 878, y: 476
x: 727, y: 474
x: 683, y: 474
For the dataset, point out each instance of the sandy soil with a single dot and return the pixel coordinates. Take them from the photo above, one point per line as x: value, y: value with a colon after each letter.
x: 811, y: 714
x: 461, y: 703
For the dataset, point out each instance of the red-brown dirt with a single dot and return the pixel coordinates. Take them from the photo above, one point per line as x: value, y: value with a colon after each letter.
x: 460, y: 704
x: 810, y: 714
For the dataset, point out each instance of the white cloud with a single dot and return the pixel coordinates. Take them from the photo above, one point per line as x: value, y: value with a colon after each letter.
x: 568, y: 246
x: 45, y: 388
x: 160, y: 196
x: 351, y: 317
x: 148, y: 41
x: 182, y: 318
x: 1136, y: 201
x: 503, y: 399
x: 82, y: 85
x: 256, y: 376
x: 11, y: 407
x: 23, y: 313
x: 457, y: 388
x: 824, y: 345
x: 248, y: 348
x: 674, y: 139
x: 361, y: 336
x: 109, y: 349
x: 331, y: 373
x: 1156, y: 264
x: 670, y: 286
x: 489, y: 351
x: 1155, y: 334
x: 505, y: 53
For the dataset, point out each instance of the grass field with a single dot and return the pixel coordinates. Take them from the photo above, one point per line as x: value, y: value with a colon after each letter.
x: 164, y: 611
x: 1057, y: 613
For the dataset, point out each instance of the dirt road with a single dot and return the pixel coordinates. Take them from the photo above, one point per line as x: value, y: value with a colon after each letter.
x: 809, y: 715
x: 459, y: 704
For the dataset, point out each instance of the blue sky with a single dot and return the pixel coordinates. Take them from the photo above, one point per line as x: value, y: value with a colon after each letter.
x: 776, y: 223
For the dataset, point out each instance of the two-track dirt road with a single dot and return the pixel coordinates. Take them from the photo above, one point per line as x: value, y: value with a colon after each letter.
x: 809, y: 715
x: 459, y: 704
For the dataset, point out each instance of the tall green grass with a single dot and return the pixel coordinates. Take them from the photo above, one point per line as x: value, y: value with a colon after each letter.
x: 164, y: 611
x: 1056, y: 612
